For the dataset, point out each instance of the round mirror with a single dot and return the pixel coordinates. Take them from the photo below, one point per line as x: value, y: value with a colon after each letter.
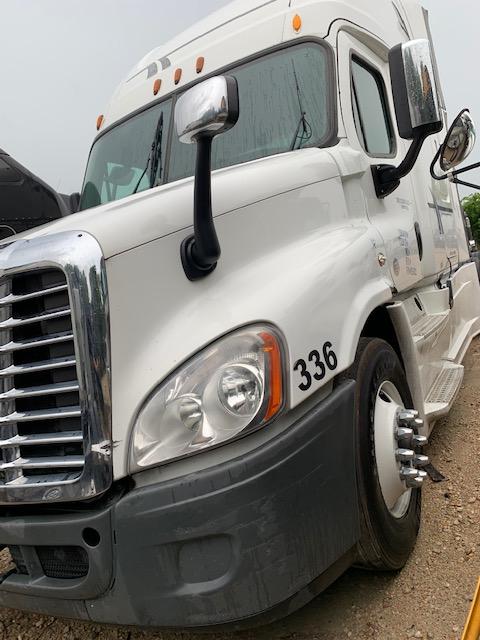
x: 459, y: 142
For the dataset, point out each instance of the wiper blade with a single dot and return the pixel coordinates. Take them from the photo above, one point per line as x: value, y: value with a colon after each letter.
x: 307, y: 129
x: 156, y: 164
x: 154, y: 159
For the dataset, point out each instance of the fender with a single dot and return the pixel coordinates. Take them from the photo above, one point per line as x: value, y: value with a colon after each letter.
x: 296, y: 260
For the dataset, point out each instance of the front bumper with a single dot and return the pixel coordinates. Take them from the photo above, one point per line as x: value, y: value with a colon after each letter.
x: 234, y: 543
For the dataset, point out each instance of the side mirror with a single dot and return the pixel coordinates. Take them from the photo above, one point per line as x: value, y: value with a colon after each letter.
x: 459, y: 142
x: 414, y: 90
x: 416, y: 107
x: 458, y: 145
x: 203, y: 112
x: 207, y: 109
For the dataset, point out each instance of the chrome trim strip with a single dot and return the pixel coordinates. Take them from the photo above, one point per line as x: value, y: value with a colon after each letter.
x: 47, y: 414
x: 45, y: 390
x: 79, y: 256
x: 10, y: 323
x: 65, y: 437
x: 68, y: 462
x: 34, y: 367
x: 55, y: 338
x: 10, y: 299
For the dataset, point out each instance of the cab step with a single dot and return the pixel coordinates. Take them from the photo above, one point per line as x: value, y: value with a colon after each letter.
x: 444, y: 390
x: 429, y: 325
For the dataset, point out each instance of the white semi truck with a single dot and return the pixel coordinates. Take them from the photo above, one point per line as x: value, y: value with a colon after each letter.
x: 218, y: 376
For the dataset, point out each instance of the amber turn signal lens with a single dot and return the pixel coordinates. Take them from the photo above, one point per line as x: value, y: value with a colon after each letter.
x: 200, y: 64
x: 100, y: 120
x: 178, y: 76
x: 272, y: 351
x: 156, y: 86
x: 297, y: 23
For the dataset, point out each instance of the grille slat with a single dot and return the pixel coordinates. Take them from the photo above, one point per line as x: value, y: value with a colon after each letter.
x: 33, y: 416
x: 46, y: 390
x: 11, y: 298
x: 11, y: 347
x: 11, y: 322
x: 35, y: 367
x: 66, y: 437
x: 52, y: 462
x: 41, y: 434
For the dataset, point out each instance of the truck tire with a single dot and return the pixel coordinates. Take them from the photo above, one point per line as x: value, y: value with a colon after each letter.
x: 388, y: 531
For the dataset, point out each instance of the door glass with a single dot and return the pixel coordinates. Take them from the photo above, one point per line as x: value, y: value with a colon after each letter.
x: 370, y: 110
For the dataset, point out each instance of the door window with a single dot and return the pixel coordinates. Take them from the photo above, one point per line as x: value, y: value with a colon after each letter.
x: 370, y: 110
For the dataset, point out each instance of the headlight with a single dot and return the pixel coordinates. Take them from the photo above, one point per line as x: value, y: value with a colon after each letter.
x: 233, y: 386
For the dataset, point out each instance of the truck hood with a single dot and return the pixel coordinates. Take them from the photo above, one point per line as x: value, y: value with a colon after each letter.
x: 144, y: 217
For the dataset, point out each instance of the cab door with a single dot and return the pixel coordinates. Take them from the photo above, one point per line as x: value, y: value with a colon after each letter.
x: 368, y: 117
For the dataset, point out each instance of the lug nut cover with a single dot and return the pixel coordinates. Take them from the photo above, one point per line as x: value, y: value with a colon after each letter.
x: 420, y: 461
x: 415, y: 483
x: 405, y: 455
x: 404, y: 433
x: 419, y: 441
x: 408, y: 472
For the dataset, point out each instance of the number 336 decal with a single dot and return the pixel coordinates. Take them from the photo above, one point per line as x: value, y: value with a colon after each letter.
x: 317, y: 367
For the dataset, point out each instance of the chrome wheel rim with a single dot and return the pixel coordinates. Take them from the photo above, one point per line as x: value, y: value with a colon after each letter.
x: 388, y: 405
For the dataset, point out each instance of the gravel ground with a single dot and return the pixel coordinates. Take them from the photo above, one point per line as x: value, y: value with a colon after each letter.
x: 429, y: 599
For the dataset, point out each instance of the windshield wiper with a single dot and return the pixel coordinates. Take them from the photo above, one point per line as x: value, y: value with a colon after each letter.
x: 307, y: 129
x: 156, y: 164
x: 154, y: 160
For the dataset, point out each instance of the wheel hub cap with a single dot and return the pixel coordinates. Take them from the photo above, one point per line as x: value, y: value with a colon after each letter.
x: 399, y: 465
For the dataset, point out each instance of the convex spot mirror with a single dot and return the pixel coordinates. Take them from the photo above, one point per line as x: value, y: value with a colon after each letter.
x: 207, y: 109
x: 414, y: 89
x: 459, y: 142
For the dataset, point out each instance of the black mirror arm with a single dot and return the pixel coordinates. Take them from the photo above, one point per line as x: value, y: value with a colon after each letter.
x: 387, y: 178
x: 457, y: 172
x: 470, y: 185
x: 453, y: 174
x: 200, y: 252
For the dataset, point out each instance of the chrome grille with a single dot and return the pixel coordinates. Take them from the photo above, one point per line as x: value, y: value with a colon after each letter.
x: 55, y: 408
x: 41, y: 438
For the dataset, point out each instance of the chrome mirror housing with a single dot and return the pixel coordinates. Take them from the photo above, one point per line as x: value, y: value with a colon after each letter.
x: 414, y: 89
x: 415, y: 95
x: 201, y: 113
x: 207, y: 109
x: 459, y: 142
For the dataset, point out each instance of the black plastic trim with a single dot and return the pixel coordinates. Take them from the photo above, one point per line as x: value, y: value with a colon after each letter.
x: 240, y: 543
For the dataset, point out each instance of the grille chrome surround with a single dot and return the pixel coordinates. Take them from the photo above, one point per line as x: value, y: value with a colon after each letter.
x: 55, y: 407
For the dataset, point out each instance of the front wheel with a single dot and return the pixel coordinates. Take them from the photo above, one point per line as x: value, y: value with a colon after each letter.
x: 389, y: 473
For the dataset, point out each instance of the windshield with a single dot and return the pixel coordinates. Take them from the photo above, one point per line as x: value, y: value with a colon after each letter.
x: 285, y: 104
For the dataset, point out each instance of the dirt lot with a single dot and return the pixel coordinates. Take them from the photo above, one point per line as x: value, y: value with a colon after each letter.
x: 429, y: 599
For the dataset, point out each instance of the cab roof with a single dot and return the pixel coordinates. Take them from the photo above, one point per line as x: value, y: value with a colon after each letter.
x: 241, y: 29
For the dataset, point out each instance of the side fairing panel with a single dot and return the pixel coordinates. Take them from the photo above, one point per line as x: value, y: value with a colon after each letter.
x: 298, y: 260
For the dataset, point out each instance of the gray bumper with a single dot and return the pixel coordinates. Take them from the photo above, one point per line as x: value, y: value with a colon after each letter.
x: 239, y: 542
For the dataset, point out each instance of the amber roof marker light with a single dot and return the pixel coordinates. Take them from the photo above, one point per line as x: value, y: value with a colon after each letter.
x: 100, y: 120
x: 200, y: 64
x: 157, y: 86
x: 297, y: 23
x: 178, y: 75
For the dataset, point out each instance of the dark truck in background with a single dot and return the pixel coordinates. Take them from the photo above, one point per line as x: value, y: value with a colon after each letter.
x: 26, y: 201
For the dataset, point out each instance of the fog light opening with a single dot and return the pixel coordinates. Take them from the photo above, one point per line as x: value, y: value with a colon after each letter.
x: 91, y: 537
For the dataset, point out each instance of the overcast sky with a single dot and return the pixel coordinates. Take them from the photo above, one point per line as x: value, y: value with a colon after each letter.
x: 61, y: 60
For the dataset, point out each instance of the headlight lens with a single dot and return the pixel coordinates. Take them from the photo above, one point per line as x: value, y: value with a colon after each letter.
x: 233, y: 386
